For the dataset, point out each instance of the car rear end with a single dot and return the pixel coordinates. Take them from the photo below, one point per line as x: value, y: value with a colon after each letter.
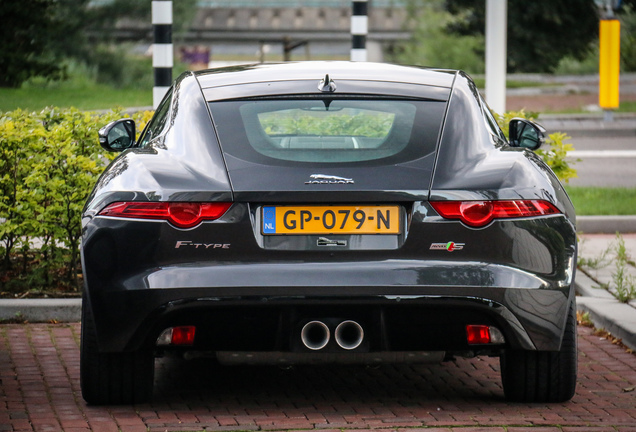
x: 333, y: 245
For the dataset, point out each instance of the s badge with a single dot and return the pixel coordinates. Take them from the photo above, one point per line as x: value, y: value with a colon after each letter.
x: 450, y: 246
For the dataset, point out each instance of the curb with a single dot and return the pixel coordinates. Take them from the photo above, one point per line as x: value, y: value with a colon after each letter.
x: 41, y: 310
x: 605, y: 311
x: 606, y: 224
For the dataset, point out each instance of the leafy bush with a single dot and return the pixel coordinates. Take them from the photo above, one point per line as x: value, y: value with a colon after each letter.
x: 49, y: 162
x: 555, y: 150
x: 114, y: 66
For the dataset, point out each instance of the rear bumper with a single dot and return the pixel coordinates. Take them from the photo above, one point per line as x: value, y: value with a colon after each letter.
x: 410, y: 318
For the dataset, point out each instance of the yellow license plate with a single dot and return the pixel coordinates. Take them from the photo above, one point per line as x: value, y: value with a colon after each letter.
x: 344, y: 219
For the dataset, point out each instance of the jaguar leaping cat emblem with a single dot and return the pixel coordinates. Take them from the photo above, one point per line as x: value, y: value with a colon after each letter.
x: 328, y: 179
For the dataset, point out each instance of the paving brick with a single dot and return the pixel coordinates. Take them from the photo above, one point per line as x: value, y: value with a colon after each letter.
x: 103, y: 426
x: 484, y: 429
x: 589, y: 429
x: 534, y: 429
x: 425, y: 430
x: 40, y: 385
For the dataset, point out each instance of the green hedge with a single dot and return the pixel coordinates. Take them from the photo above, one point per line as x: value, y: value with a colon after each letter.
x: 49, y: 161
x: 555, y: 150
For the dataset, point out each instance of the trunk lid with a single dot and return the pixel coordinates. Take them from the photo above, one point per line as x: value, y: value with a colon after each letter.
x: 329, y: 149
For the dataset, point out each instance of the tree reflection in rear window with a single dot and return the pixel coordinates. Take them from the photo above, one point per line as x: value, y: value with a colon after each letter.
x: 326, y: 130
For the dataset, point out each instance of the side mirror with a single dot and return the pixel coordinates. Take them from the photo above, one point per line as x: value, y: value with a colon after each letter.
x: 526, y: 134
x: 118, y: 135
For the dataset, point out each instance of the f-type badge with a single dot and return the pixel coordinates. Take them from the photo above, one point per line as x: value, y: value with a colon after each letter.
x: 450, y: 246
x: 328, y: 179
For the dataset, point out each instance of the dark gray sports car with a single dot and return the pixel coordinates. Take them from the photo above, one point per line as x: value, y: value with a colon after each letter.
x: 327, y: 212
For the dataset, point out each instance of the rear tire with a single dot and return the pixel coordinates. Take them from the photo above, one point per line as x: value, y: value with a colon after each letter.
x: 112, y: 378
x: 542, y: 376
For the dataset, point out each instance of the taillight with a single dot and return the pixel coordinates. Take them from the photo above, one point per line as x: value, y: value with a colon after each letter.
x: 481, y: 213
x: 483, y: 334
x: 179, y: 214
x: 183, y: 335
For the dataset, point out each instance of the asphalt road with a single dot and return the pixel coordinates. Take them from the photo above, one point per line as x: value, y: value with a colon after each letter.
x: 604, y: 161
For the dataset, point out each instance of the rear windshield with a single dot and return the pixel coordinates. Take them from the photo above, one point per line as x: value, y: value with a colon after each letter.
x: 327, y: 130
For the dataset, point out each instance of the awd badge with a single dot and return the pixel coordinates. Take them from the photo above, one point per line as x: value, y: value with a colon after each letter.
x: 450, y: 246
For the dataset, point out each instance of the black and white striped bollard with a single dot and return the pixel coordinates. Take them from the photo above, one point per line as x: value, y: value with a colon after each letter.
x: 359, y: 30
x: 162, y: 50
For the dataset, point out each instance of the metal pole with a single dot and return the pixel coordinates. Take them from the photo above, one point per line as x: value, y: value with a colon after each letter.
x: 496, y: 41
x: 359, y: 30
x: 162, y: 50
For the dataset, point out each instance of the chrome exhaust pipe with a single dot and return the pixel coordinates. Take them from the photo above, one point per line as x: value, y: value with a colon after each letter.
x: 349, y: 335
x: 315, y: 335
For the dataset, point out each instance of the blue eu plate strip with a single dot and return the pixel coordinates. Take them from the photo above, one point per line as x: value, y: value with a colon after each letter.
x: 269, y: 220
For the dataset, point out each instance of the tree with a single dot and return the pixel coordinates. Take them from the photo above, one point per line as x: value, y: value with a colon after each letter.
x: 38, y: 35
x: 628, y: 37
x: 431, y: 44
x: 25, y: 35
x: 104, y: 17
x: 540, y: 32
x: 69, y: 21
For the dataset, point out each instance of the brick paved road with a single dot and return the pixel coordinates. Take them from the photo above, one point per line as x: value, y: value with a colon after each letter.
x: 39, y: 391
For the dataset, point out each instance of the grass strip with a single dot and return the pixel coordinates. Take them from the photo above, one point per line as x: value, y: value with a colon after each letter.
x: 598, y: 201
x: 87, y: 97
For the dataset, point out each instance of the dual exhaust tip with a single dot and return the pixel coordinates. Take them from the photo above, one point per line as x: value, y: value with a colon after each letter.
x: 315, y: 335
